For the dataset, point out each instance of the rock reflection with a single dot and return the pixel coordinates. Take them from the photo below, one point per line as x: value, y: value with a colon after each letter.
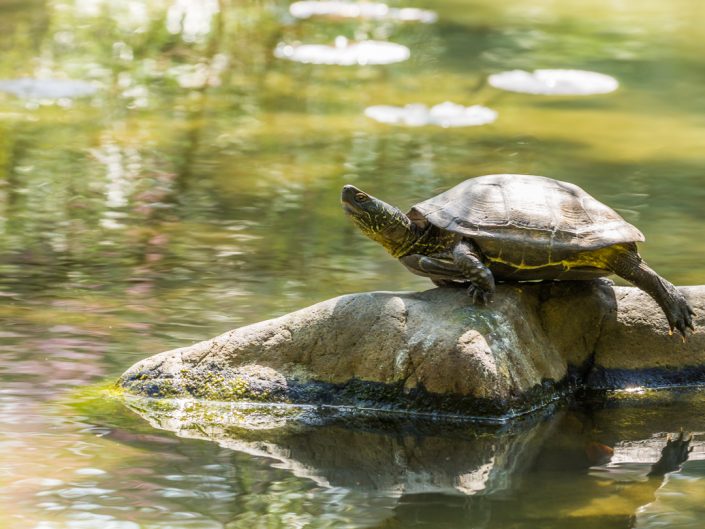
x: 344, y: 52
x: 437, y: 475
x: 554, y: 82
x: 364, y: 10
x: 380, y: 455
x: 443, y: 115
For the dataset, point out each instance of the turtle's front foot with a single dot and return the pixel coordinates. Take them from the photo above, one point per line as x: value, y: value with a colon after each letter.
x: 480, y: 296
x: 467, y: 259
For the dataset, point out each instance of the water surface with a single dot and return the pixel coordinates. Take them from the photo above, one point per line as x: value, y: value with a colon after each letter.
x: 196, y: 190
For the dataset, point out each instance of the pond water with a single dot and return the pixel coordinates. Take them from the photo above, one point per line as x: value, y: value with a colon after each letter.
x: 195, y: 188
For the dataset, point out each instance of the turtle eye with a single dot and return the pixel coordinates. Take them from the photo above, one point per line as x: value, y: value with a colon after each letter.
x: 361, y: 197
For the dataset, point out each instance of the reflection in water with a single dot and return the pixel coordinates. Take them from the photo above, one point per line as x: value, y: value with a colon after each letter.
x: 421, y: 467
x: 386, y: 457
x: 197, y: 190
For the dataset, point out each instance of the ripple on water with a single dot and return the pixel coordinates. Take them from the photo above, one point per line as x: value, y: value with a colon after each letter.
x: 80, y: 492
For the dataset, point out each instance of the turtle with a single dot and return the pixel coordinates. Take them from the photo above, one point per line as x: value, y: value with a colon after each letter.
x: 513, y: 227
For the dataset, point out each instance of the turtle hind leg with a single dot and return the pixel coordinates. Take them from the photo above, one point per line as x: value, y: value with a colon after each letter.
x: 440, y: 270
x: 444, y: 282
x: 629, y: 265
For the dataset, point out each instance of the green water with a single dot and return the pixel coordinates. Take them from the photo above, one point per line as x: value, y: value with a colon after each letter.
x: 197, y: 190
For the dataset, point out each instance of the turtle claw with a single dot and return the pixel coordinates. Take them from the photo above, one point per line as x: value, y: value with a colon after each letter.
x: 480, y: 297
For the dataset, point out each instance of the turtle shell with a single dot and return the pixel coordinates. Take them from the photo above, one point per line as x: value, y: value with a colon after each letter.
x: 527, y: 211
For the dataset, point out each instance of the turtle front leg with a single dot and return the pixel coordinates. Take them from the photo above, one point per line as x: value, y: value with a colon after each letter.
x: 467, y: 258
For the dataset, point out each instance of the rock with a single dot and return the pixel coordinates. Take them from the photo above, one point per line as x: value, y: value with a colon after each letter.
x: 635, y: 349
x: 430, y: 351
x: 433, y: 352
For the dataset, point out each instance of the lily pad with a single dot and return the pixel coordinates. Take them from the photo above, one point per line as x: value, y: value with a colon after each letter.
x: 554, y: 82
x: 344, y: 53
x: 443, y: 115
x: 363, y: 10
x: 30, y: 88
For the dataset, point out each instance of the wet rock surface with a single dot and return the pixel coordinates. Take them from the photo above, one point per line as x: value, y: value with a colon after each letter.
x: 435, y: 353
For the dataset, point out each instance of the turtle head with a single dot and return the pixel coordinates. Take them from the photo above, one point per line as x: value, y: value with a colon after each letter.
x: 381, y: 222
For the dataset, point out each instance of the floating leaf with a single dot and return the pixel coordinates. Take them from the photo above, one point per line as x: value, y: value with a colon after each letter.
x: 28, y: 88
x: 344, y: 52
x: 366, y: 10
x: 554, y: 82
x: 443, y: 115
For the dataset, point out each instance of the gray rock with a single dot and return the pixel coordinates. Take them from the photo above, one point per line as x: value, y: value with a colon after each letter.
x: 433, y: 352
x: 635, y: 349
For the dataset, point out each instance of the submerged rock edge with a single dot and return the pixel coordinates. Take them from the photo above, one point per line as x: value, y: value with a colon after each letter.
x: 217, y: 384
